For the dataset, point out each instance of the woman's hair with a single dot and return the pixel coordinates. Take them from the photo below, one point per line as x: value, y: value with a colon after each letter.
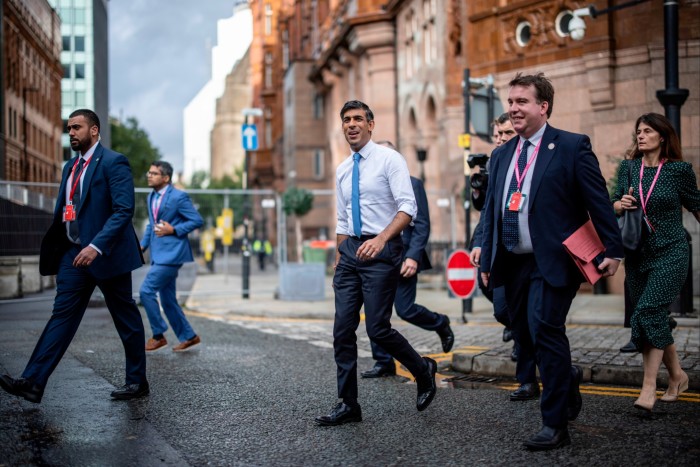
x: 670, y: 144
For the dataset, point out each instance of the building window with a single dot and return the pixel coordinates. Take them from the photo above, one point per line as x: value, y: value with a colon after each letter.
x: 318, y: 106
x: 523, y: 33
x: 80, y: 71
x: 80, y: 98
x: 268, y: 19
x: 285, y: 49
x: 268, y: 133
x: 318, y: 163
x: 561, y: 23
x: 79, y: 43
x: 79, y: 16
x: 66, y: 70
x: 268, y: 69
x: 67, y: 98
x: 66, y: 42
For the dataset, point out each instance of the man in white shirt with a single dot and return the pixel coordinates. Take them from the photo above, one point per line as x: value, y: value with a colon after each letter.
x: 375, y: 202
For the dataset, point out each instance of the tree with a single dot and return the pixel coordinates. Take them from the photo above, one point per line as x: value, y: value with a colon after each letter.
x: 297, y: 201
x: 133, y: 142
x: 210, y: 206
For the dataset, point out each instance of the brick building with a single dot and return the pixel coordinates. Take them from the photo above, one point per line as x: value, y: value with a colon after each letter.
x: 31, y: 92
x: 406, y: 58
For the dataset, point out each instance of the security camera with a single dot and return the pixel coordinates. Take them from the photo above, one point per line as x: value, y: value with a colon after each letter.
x: 577, y: 26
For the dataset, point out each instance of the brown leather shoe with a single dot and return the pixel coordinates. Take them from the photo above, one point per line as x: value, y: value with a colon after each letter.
x: 188, y: 344
x: 155, y: 344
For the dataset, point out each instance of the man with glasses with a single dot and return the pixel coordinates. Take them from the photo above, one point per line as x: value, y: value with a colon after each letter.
x: 172, y: 217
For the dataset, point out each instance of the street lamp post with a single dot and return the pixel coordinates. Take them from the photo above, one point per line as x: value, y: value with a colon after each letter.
x: 25, y: 124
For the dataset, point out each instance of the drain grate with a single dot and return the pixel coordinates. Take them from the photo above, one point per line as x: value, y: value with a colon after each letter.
x: 471, y: 379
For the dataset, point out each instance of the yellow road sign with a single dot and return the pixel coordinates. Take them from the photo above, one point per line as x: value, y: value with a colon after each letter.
x: 465, y: 140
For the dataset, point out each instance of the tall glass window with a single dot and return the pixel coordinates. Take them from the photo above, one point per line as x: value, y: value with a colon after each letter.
x: 79, y: 43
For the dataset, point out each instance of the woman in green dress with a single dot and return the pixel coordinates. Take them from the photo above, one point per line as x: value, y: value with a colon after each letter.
x: 660, y: 184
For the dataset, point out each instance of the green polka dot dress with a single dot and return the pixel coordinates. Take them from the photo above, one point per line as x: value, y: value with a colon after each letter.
x: 656, y: 275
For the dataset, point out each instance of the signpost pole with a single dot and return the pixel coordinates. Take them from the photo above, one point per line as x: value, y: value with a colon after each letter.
x: 249, y: 146
x: 466, y: 303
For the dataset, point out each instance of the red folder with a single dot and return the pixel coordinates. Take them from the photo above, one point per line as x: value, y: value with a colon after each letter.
x: 583, y: 246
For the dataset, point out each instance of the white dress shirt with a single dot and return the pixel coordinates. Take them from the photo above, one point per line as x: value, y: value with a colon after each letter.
x: 385, y: 189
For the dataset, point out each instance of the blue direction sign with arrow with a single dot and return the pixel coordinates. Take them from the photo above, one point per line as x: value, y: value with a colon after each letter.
x: 250, y: 137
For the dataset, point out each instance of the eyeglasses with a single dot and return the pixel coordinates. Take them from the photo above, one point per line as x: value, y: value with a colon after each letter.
x: 154, y: 174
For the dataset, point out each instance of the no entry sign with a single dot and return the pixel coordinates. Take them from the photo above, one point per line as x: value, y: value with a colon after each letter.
x: 461, y: 274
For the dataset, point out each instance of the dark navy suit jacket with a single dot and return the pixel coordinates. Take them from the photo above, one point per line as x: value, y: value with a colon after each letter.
x: 567, y: 187
x: 176, y: 209
x: 104, y: 217
x: 415, y: 236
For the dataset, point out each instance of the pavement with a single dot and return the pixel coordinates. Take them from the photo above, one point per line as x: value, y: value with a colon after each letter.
x: 594, y: 326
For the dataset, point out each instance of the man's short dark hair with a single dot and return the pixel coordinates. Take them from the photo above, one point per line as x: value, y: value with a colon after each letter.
x: 504, y: 117
x: 165, y: 168
x: 89, y: 115
x: 350, y: 105
x: 544, y: 91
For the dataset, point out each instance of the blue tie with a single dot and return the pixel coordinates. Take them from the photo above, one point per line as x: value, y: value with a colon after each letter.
x: 510, y: 218
x: 356, y: 220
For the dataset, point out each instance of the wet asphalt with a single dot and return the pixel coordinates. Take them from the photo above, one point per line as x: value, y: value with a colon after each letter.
x: 247, y: 397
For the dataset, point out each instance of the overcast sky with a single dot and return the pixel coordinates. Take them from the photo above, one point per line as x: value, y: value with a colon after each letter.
x: 158, y: 62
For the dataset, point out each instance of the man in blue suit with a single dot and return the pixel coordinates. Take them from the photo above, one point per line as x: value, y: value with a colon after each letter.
x: 545, y: 184
x: 172, y: 217
x: 90, y: 243
x: 415, y: 259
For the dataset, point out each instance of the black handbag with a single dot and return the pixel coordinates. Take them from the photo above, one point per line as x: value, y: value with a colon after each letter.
x: 630, y: 224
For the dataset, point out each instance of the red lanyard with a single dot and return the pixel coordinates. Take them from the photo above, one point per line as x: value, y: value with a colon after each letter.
x: 519, y: 178
x: 76, y: 179
x: 643, y: 200
x: 156, y: 206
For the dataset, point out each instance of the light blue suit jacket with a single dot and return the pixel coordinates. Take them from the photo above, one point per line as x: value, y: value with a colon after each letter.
x: 176, y: 209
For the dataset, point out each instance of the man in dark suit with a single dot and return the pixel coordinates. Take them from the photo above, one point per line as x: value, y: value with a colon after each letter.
x: 90, y: 243
x: 415, y: 240
x: 545, y: 184
x: 172, y: 216
x: 375, y: 202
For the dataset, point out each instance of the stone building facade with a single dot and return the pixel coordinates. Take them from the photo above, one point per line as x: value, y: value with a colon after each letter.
x: 227, y: 151
x: 31, y: 92
x: 406, y: 59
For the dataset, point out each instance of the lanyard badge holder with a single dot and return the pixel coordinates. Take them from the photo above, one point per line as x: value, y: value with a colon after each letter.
x: 69, y: 212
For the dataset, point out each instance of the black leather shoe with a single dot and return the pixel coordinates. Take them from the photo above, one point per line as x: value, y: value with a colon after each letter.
x: 341, y: 413
x: 514, y: 355
x: 426, y: 386
x: 447, y: 337
x: 629, y: 348
x: 507, y: 335
x: 131, y: 391
x: 21, y: 387
x: 548, y: 438
x: 575, y: 401
x: 526, y: 392
x: 378, y: 371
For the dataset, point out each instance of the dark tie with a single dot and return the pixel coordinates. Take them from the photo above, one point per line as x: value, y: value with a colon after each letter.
x: 73, y: 227
x: 356, y: 220
x: 510, y: 218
